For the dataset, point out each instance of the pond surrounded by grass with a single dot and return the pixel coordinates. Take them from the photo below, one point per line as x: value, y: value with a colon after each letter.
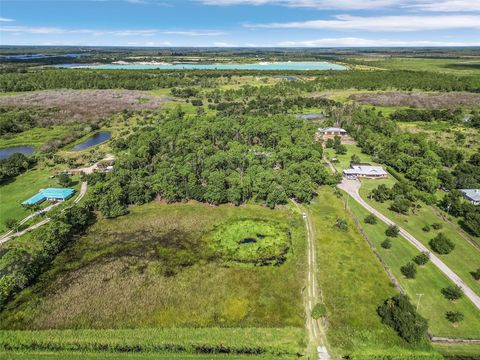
x: 251, y: 241
x: 5, y: 153
x: 93, y: 140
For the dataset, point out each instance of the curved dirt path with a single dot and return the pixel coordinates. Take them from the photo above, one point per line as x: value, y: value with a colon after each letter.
x: 352, y: 187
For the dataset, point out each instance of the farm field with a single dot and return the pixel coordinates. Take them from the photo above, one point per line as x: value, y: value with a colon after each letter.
x: 428, y: 282
x: 160, y: 250
x: 35, y: 137
x: 52, y: 355
x: 464, y: 259
x: 353, y: 285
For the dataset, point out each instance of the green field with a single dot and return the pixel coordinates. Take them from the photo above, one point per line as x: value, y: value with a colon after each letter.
x: 153, y: 268
x: 13, y: 193
x: 70, y: 355
x: 353, y: 285
x: 428, y: 282
x: 34, y: 137
x: 464, y: 259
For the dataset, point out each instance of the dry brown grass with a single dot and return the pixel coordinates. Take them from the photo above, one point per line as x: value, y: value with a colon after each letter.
x: 419, y: 100
x: 72, y: 106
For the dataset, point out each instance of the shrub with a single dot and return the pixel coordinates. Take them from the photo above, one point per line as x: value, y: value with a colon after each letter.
x: 386, y: 244
x: 426, y: 228
x: 371, y: 219
x: 11, y: 224
x: 409, y: 270
x: 401, y: 205
x: 392, y: 231
x: 401, y: 315
x: 452, y: 292
x: 437, y: 226
x: 454, y: 316
x: 476, y: 274
x: 421, y: 259
x: 441, y: 244
x: 64, y: 180
x: 318, y: 311
x: 342, y: 224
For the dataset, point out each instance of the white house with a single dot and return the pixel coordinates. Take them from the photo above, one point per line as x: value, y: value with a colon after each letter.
x: 365, y: 171
x: 472, y: 195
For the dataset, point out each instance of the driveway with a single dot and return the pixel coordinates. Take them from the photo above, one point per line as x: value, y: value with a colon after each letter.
x: 352, y: 187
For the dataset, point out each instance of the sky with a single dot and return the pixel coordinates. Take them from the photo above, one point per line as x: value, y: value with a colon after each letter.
x: 241, y: 23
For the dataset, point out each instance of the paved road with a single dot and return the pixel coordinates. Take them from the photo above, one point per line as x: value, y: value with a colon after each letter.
x: 315, y: 330
x: 10, y: 235
x: 352, y: 188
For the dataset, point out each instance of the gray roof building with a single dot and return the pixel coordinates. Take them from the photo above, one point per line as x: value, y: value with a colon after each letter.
x: 472, y: 195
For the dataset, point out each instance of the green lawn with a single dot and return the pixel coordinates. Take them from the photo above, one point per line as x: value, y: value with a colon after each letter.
x: 353, y: 285
x: 344, y: 160
x: 13, y: 193
x: 35, y: 137
x: 428, y: 282
x: 464, y: 259
x: 452, y: 350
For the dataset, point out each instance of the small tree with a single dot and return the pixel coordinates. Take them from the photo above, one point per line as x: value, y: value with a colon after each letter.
x: 342, y: 224
x: 341, y: 149
x: 401, y: 205
x: 454, y: 316
x: 441, y: 244
x: 426, y: 228
x: 64, y: 180
x: 371, y: 219
x: 355, y: 159
x: 392, y: 231
x: 409, y: 270
x: 421, y: 259
x: 386, y: 244
x: 437, y: 226
x: 12, y: 224
x: 452, y: 292
x: 318, y: 311
x: 476, y: 274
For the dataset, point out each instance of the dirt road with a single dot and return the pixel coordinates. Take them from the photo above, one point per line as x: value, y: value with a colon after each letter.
x: 352, y: 188
x: 314, y: 328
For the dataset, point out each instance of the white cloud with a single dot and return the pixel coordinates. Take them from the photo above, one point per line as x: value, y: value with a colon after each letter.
x: 446, y: 5
x: 98, y: 32
x: 2, y: 19
x: 223, y: 44
x: 318, y: 4
x: 382, y: 23
x: 360, y: 42
x: 195, y: 33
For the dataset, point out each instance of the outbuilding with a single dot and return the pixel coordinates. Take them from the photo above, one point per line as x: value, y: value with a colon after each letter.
x: 472, y: 195
x: 50, y: 194
x: 332, y: 132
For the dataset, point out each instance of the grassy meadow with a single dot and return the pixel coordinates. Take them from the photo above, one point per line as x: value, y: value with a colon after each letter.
x: 353, y: 285
x: 462, y: 260
x: 154, y: 268
x: 428, y: 282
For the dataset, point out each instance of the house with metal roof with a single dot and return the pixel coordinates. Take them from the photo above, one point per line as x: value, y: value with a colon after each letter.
x: 333, y: 131
x: 472, y: 195
x: 365, y: 171
x: 50, y: 194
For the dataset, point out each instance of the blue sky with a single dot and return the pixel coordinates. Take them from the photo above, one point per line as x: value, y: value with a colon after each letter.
x: 249, y: 23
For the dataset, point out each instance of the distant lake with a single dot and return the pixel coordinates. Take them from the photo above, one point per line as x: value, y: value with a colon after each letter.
x: 304, y: 66
x: 5, y: 153
x: 93, y: 140
x: 38, y: 56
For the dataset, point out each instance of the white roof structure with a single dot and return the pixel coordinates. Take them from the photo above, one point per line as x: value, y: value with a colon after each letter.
x: 366, y: 170
x: 332, y: 129
x: 472, y: 194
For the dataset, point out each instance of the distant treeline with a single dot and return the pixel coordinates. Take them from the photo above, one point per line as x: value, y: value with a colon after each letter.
x: 153, y: 79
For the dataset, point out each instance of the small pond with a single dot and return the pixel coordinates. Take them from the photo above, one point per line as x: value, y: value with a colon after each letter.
x: 93, y: 140
x: 5, y: 153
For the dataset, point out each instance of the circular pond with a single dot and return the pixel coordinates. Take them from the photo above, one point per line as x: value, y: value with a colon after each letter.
x: 251, y: 241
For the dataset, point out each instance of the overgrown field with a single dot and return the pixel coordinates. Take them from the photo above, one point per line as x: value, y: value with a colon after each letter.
x: 252, y: 341
x: 155, y: 268
x: 353, y: 285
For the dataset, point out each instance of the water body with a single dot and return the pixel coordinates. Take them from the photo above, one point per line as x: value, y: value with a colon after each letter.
x: 93, y: 140
x: 304, y: 66
x: 39, y: 56
x: 5, y: 153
